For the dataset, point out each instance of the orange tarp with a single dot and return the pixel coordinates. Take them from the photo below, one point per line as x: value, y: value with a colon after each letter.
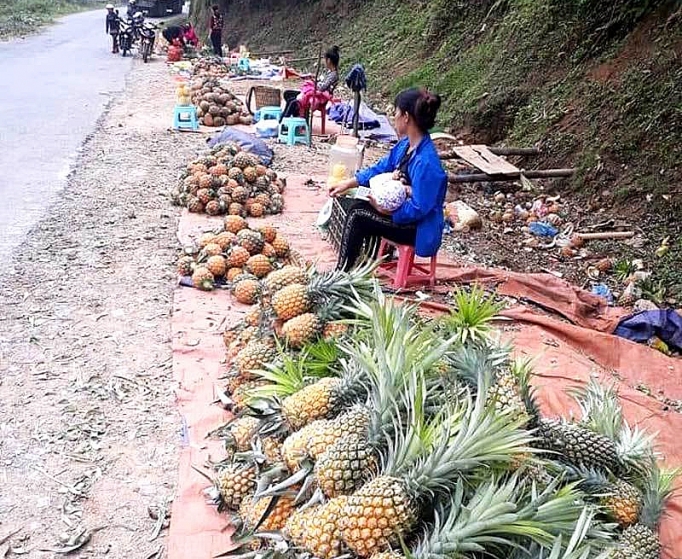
x: 565, y: 353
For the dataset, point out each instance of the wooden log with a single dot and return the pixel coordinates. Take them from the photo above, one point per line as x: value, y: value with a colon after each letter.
x: 606, y: 235
x: 538, y: 174
x: 450, y: 154
x: 272, y: 53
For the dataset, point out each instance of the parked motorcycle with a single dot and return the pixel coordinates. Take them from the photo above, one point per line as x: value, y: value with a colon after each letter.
x: 147, y: 39
x: 125, y: 38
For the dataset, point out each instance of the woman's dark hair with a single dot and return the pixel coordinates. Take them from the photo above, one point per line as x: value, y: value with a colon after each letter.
x: 421, y: 105
x: 334, y: 55
x: 215, y: 7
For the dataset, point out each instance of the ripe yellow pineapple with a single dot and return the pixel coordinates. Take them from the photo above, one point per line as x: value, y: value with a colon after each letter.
x: 387, y: 555
x: 203, y: 279
x: 259, y: 265
x: 285, y: 276
x: 272, y: 449
x: 234, y: 223
x: 233, y: 273
x: 290, y: 301
x: 334, y: 330
x: 247, y: 291
x: 624, y: 503
x: 321, y: 535
x: 268, y: 231
x: 281, y: 246
x: 316, y: 401
x: 241, y: 432
x: 207, y: 238
x: 252, y: 510
x: 241, y: 395
x: 295, y: 447
x: 321, y: 434
x: 185, y: 266
x: 237, y: 257
x: 376, y: 514
x: 217, y: 265
x: 256, y: 209
x: 225, y: 240
x: 254, y: 356
x: 212, y: 249
x: 302, y: 329
x: 269, y: 251
x: 235, y: 483
x: 294, y: 529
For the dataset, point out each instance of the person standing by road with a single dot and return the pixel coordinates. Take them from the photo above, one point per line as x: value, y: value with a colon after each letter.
x: 113, y: 27
x: 215, y: 24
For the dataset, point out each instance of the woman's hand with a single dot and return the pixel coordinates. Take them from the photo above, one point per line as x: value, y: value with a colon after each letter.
x: 408, y: 191
x: 340, y: 187
x: 373, y: 203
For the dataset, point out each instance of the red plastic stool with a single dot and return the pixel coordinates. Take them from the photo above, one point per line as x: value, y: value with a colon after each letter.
x: 406, y: 271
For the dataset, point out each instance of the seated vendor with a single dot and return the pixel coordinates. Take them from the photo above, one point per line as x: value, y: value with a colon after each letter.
x: 312, y: 95
x: 419, y: 220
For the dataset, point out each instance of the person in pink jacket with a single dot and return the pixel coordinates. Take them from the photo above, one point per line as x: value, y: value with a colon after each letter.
x: 189, y: 36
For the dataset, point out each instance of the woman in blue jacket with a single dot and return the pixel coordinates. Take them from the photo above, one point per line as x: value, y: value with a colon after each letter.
x: 419, y: 220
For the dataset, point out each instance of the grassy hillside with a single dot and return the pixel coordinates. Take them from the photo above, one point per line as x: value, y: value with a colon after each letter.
x: 596, y: 84
x: 21, y: 17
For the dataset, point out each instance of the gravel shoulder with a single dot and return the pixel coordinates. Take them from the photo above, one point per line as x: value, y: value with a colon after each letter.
x: 89, y: 432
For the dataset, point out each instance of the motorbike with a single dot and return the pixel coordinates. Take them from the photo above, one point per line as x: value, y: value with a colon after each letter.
x: 126, y: 37
x: 147, y: 39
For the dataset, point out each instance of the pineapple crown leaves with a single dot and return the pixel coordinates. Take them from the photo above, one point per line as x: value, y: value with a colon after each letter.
x: 471, y: 320
x: 659, y: 488
x: 600, y: 408
x: 470, y: 437
x: 489, y: 519
x: 635, y: 448
x: 478, y: 365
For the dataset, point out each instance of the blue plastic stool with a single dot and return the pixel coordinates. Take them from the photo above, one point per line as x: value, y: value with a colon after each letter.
x: 243, y: 64
x: 186, y: 118
x: 270, y: 113
x: 290, y: 131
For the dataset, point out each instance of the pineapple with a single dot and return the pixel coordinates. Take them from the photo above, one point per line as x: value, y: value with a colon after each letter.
x: 263, y: 200
x: 246, y: 291
x: 279, y: 243
x: 256, y: 209
x: 233, y: 273
x: 464, y: 439
x: 272, y: 449
x: 240, y: 194
x: 252, y: 512
x: 235, y: 173
x: 243, y: 160
x: 334, y: 330
x: 241, y: 395
x: 240, y: 433
x: 624, y: 503
x: 234, y: 224
x: 285, y: 276
x: 295, y: 527
x: 276, y: 204
x: 234, y: 484
x: 217, y: 265
x: 194, y: 205
x: 211, y: 249
x: 224, y: 240
x: 268, y: 231
x: 251, y: 240
x: 295, y: 446
x: 301, y: 329
x: 213, y: 207
x: 269, y: 251
x: 259, y: 265
x: 640, y: 540
x: 237, y: 257
x: 185, y: 266
x: 325, y: 289
x: 250, y: 174
x: 207, y: 238
x: 203, y: 279
x: 236, y: 209
x: 254, y: 356
x: 321, y: 534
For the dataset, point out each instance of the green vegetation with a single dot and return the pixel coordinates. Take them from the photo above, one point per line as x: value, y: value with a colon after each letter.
x: 21, y: 17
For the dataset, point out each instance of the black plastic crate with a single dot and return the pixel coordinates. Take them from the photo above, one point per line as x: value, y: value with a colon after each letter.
x: 337, y: 220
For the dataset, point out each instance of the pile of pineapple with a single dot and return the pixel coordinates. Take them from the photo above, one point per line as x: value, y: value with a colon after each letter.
x: 217, y: 105
x: 209, y: 66
x: 243, y: 258
x: 230, y: 181
x: 368, y: 431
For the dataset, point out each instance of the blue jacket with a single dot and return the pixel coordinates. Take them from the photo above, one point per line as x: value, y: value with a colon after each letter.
x: 429, y: 185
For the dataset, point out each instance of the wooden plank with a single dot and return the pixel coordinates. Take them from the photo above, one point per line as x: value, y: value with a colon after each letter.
x: 540, y: 174
x: 482, y: 158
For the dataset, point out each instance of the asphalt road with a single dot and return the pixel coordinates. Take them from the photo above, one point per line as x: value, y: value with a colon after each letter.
x: 55, y: 86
